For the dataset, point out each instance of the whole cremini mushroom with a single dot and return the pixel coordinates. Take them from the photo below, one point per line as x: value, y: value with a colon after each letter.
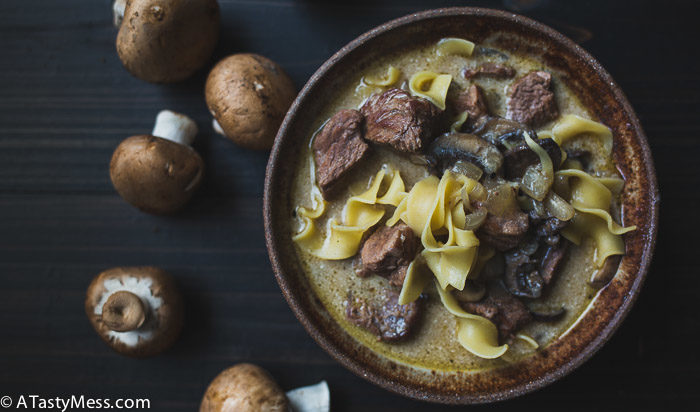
x: 165, y: 41
x: 244, y: 388
x: 158, y: 173
x: 137, y: 311
x: 249, y: 95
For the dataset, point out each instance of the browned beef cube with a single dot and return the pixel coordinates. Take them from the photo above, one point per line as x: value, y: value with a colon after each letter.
x: 473, y: 102
x: 494, y: 70
x: 338, y: 148
x: 531, y: 99
x: 383, y: 316
x: 388, y: 252
x: 397, y: 119
x: 508, y: 313
x: 503, y: 232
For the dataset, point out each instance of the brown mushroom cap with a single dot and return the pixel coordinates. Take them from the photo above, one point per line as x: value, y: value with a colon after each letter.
x: 249, y: 95
x: 244, y: 388
x: 167, y: 41
x: 154, y: 174
x: 159, y: 297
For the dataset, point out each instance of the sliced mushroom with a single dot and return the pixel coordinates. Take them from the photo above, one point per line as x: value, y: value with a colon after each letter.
x: 521, y: 277
x: 547, y: 316
x: 137, y: 311
x: 503, y: 132
x: 158, y: 173
x: 165, y: 41
x: 551, y: 260
x: 604, y: 275
x: 450, y: 148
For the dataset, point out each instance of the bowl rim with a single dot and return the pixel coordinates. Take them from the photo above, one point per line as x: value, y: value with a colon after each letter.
x: 550, y: 376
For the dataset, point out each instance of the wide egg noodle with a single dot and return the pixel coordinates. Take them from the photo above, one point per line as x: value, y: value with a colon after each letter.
x: 342, y: 240
x: 391, y: 77
x: 432, y: 207
x: 476, y: 334
x: 455, y: 45
x: 458, y: 121
x: 431, y: 86
x: 417, y: 278
x: 571, y: 125
x: 591, y: 198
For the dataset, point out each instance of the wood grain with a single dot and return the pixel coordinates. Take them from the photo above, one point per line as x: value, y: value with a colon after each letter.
x: 66, y: 102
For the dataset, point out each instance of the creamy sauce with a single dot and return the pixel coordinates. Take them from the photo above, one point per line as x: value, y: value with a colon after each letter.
x: 433, y: 344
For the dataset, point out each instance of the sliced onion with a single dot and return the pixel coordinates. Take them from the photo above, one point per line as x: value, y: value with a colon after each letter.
x: 534, y: 183
x: 478, y: 192
x: 558, y: 207
x: 501, y: 199
x: 537, y: 179
x: 467, y: 169
x: 475, y: 219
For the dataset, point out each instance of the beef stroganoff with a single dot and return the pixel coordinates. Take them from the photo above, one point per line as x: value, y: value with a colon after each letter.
x: 457, y: 207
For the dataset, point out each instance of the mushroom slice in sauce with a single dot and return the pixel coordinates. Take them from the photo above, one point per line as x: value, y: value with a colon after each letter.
x: 450, y: 148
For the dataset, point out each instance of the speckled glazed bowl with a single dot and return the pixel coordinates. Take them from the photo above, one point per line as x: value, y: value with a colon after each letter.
x: 597, y: 91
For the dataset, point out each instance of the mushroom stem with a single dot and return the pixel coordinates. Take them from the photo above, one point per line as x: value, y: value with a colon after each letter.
x: 123, y: 311
x: 175, y: 127
x: 118, y: 9
x: 313, y: 398
x: 217, y: 127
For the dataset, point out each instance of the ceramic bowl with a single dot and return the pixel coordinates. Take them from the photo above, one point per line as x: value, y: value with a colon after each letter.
x: 597, y: 91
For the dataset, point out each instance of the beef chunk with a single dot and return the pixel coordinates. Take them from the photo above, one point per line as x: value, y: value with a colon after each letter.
x: 531, y: 100
x: 508, y: 313
x: 384, y: 317
x: 338, y: 148
x: 388, y: 252
x: 494, y: 70
x: 473, y: 102
x: 551, y: 260
x: 397, y: 119
x: 503, y: 232
x: 517, y: 159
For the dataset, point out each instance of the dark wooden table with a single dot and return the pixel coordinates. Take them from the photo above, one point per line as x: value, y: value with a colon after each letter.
x: 66, y: 102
